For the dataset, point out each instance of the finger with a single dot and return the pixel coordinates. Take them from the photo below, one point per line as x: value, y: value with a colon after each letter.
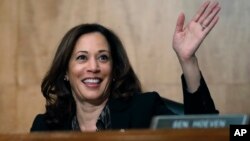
x: 180, y: 23
x: 208, y: 11
x: 211, y: 25
x: 201, y: 11
x: 208, y: 20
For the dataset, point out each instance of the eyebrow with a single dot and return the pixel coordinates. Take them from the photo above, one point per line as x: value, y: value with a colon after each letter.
x: 100, y: 51
x: 104, y: 51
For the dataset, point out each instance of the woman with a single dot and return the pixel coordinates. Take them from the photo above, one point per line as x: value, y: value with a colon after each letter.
x: 91, y: 85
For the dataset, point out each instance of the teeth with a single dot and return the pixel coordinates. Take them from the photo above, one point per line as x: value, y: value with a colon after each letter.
x: 92, y: 81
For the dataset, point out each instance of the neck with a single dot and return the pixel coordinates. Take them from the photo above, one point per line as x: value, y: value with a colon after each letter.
x: 87, y: 114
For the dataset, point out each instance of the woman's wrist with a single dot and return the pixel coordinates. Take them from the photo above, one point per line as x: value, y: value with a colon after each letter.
x: 191, y: 73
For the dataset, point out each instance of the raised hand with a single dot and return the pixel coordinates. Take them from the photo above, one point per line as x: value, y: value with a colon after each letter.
x: 187, y: 39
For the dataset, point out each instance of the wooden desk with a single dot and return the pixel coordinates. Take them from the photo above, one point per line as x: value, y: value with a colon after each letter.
x: 221, y: 134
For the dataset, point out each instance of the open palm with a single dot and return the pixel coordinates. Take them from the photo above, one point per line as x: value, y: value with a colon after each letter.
x: 186, y: 40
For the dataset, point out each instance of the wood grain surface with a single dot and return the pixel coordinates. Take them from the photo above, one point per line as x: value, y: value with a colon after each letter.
x: 30, y: 31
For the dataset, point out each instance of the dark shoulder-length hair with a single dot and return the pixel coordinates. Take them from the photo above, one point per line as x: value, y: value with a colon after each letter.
x: 60, y: 104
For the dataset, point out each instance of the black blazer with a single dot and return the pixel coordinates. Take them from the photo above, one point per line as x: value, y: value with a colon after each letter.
x: 138, y: 111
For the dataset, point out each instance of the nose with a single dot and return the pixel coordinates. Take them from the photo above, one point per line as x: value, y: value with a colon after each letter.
x: 93, y: 66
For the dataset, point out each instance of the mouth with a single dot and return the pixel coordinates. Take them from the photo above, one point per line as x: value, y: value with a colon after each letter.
x: 92, y: 82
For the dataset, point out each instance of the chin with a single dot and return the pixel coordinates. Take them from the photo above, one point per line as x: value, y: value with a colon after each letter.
x: 94, y: 97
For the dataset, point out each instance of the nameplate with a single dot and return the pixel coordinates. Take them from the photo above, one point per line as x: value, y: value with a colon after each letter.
x: 198, y: 121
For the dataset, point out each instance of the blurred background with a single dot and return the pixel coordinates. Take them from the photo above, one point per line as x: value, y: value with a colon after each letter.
x: 30, y: 31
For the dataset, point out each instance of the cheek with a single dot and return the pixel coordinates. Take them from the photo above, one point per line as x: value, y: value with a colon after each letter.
x: 75, y: 71
x: 107, y: 69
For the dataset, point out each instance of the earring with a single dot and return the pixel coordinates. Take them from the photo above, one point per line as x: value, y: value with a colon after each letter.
x: 66, y: 78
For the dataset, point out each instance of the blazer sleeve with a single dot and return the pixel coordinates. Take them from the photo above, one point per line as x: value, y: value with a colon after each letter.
x: 199, y: 102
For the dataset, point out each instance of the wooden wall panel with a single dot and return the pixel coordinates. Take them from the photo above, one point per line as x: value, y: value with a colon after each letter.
x: 32, y: 29
x: 8, y: 50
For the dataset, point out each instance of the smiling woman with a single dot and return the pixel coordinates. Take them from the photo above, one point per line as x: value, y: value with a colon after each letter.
x: 90, y: 68
x: 92, y: 86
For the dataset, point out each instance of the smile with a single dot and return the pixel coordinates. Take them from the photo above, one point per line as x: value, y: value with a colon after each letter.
x: 92, y: 80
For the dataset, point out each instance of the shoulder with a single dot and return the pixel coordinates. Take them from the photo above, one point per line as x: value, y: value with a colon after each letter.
x: 39, y: 123
x: 147, y: 97
x: 151, y: 101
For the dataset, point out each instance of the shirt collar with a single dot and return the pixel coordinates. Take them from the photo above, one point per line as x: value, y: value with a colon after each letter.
x: 103, y: 121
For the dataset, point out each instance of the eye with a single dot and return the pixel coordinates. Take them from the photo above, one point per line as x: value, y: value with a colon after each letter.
x: 103, y: 58
x: 81, y: 58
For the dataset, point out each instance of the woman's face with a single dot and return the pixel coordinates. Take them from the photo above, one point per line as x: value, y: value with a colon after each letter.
x: 90, y: 68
